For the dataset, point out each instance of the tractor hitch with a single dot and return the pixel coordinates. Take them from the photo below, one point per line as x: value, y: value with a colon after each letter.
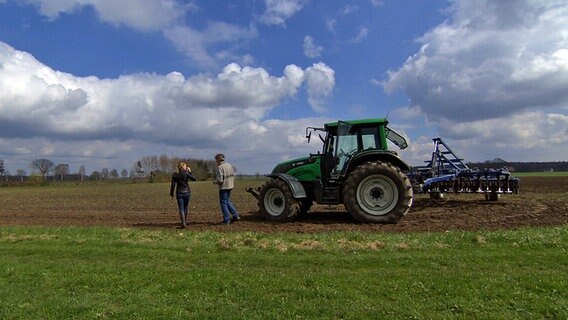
x: 254, y: 191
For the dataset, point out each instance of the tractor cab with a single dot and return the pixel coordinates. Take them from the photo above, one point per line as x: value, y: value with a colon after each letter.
x: 347, y: 140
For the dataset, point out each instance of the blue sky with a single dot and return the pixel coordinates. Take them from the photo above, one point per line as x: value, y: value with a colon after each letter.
x: 103, y: 83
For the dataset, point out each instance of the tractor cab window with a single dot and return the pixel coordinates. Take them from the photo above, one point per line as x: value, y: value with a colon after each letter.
x: 370, y: 138
x: 346, y: 145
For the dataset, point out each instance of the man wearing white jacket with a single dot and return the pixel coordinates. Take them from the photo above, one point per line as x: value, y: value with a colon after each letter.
x: 225, y: 178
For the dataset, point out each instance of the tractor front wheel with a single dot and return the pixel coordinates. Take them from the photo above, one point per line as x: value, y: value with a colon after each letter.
x: 377, y: 192
x: 276, y: 201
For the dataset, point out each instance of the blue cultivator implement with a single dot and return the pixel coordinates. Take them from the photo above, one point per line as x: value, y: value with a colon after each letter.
x: 445, y: 172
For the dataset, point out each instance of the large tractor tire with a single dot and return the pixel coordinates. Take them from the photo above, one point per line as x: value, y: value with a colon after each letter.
x: 377, y: 192
x: 276, y: 201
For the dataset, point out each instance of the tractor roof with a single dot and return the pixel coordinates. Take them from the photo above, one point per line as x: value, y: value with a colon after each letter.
x: 375, y: 121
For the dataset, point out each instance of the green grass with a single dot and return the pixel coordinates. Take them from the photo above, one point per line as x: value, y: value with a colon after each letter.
x: 541, y: 174
x: 105, y: 273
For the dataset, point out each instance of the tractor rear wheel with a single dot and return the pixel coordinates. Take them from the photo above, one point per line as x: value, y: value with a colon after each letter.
x: 276, y: 201
x: 377, y: 192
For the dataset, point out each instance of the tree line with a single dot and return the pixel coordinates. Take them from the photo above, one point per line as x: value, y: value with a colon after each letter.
x: 154, y: 168
x: 160, y: 168
x: 521, y: 166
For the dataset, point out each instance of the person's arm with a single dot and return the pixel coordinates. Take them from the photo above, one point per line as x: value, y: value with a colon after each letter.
x: 190, y: 174
x: 219, y: 177
x: 172, y: 187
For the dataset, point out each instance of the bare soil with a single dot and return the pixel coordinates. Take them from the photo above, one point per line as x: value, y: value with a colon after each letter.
x: 542, y: 201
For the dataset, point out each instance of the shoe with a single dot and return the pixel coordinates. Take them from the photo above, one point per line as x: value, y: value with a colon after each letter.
x: 237, y: 218
x: 180, y: 227
x: 226, y: 223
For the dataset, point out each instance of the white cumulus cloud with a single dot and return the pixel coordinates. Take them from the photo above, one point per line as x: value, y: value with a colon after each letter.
x: 321, y: 81
x: 492, y: 79
x: 60, y: 115
x: 196, y: 44
x: 278, y: 11
x: 167, y: 17
x: 145, y: 15
x: 490, y: 59
x: 311, y: 49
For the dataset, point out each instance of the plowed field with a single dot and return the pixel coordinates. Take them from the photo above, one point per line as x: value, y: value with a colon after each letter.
x: 542, y: 201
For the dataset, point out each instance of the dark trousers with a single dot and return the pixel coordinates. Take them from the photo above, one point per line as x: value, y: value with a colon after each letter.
x: 183, y: 206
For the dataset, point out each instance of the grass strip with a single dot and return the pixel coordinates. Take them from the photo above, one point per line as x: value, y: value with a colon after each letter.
x: 106, y: 273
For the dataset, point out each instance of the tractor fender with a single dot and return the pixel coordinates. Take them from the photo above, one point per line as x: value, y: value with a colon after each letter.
x: 295, y: 185
x: 383, y: 156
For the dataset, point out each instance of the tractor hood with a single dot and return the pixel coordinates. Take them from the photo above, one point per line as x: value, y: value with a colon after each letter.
x: 304, y: 169
x: 284, y: 167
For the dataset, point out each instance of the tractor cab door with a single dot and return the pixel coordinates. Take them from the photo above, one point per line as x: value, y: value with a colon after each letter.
x: 346, y: 146
x: 334, y: 154
x: 352, y: 140
x: 328, y: 156
x: 340, y: 147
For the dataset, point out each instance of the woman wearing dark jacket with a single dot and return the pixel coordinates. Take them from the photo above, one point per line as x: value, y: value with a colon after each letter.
x: 180, y: 184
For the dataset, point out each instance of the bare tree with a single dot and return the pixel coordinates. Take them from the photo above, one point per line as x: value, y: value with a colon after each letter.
x: 105, y: 173
x: 174, y: 163
x: 44, y: 166
x: 21, y: 173
x: 124, y: 173
x: 149, y: 164
x: 82, y: 172
x: 164, y: 163
x: 95, y: 175
x: 113, y: 173
x: 137, y: 170
x: 2, y: 171
x: 61, y: 170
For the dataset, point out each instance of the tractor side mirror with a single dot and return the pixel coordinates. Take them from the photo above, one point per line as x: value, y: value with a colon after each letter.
x: 309, y: 136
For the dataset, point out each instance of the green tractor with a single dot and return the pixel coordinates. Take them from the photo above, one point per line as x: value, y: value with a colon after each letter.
x: 355, y: 168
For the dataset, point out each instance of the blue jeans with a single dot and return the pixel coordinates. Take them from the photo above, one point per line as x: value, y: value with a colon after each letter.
x: 227, y: 206
x: 183, y: 206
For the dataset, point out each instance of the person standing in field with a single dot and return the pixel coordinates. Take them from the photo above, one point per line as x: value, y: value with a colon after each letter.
x: 180, y: 184
x: 225, y: 179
